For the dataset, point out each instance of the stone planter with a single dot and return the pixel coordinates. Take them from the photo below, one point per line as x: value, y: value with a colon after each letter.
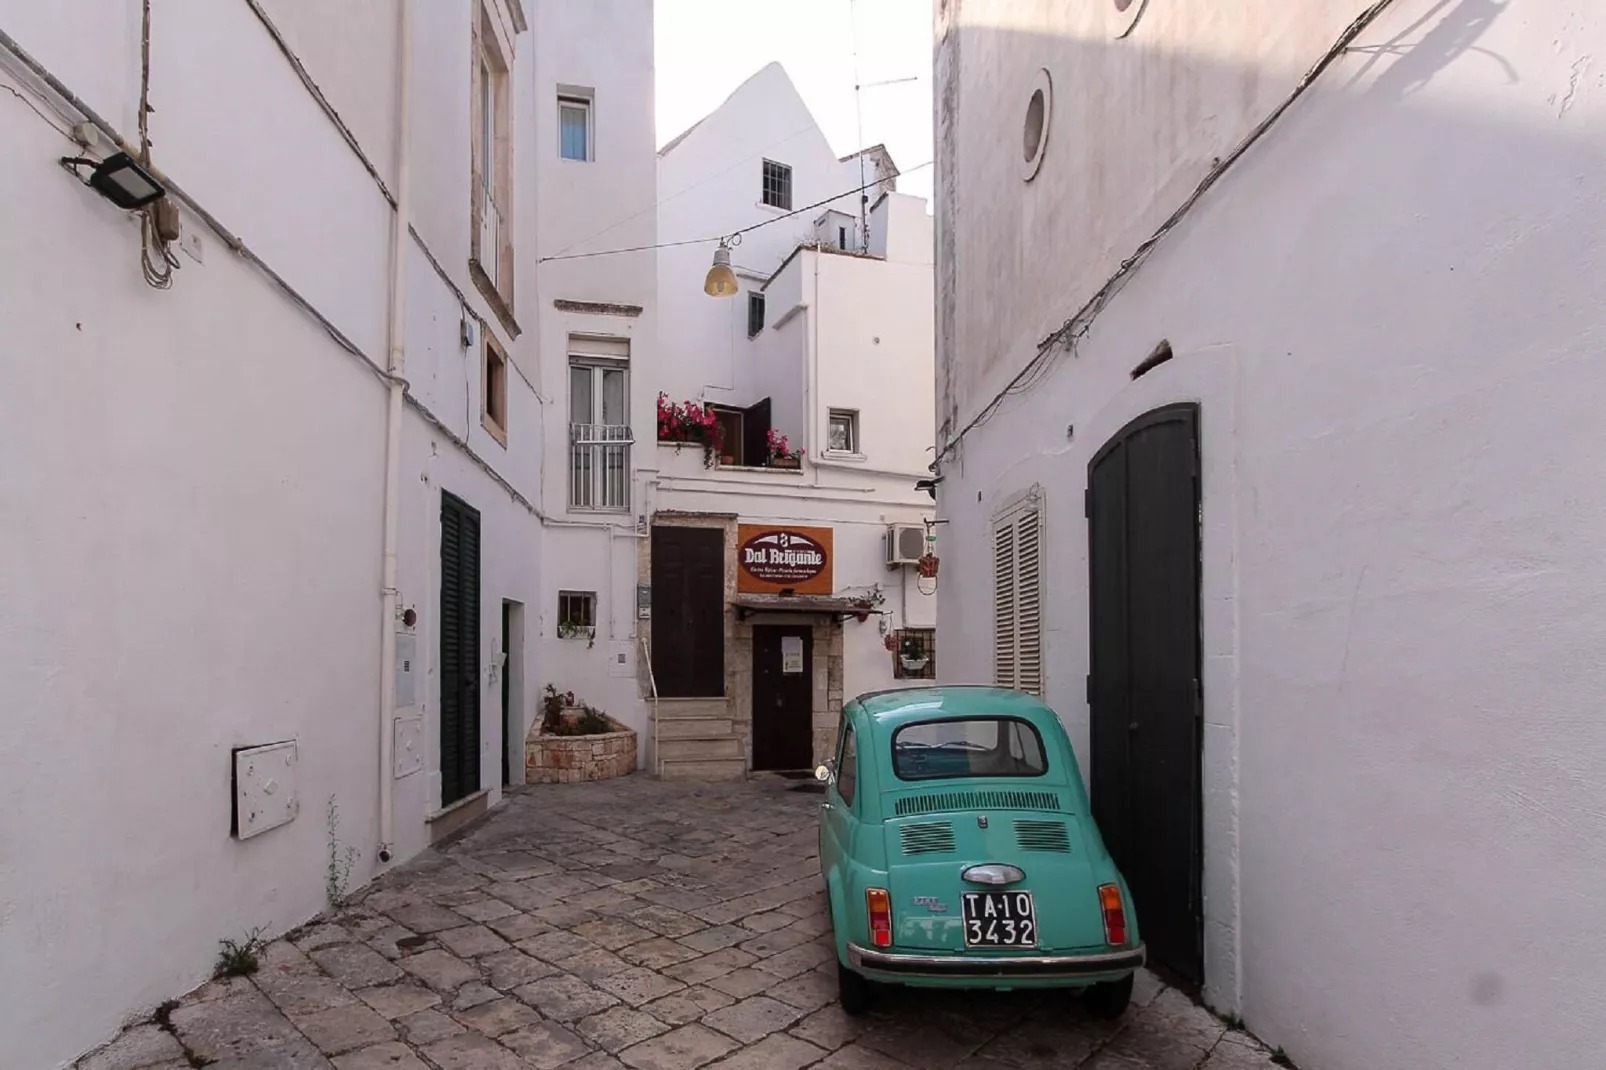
x: 571, y: 759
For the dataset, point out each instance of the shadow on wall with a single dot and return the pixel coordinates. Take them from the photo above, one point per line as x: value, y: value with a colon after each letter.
x: 1161, y: 117
x: 1437, y: 198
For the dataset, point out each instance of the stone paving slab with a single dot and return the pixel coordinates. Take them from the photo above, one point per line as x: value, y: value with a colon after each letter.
x: 630, y: 925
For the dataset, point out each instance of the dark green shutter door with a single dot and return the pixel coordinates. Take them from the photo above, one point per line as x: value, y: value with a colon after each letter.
x: 460, y: 649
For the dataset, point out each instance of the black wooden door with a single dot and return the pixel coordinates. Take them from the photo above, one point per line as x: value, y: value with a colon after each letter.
x: 460, y: 649
x: 783, y: 697
x: 688, y: 612
x: 1143, y: 527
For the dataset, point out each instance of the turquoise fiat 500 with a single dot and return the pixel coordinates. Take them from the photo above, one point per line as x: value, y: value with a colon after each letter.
x: 958, y: 851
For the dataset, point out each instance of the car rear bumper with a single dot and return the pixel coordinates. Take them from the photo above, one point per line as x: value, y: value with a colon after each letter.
x: 996, y: 967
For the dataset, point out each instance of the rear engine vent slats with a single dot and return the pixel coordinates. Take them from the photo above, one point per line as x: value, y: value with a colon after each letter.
x: 1042, y: 836
x: 933, y: 837
x: 977, y: 800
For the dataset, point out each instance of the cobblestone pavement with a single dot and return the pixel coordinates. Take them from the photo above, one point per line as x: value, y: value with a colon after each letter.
x: 631, y: 923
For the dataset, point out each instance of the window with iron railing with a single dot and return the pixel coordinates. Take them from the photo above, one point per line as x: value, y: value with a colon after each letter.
x: 599, y: 435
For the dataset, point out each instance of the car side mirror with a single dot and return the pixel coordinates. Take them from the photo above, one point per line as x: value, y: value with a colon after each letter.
x: 826, y: 771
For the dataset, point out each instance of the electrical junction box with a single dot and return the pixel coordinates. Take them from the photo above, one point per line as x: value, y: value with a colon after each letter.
x: 406, y: 669
x: 265, y: 795
x: 408, y: 756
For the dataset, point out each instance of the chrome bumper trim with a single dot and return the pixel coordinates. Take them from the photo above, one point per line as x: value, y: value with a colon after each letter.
x: 990, y: 967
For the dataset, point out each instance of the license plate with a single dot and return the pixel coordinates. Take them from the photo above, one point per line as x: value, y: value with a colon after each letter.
x: 999, y: 919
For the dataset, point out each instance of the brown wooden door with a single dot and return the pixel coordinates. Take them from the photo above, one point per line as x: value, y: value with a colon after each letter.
x: 783, y: 692
x: 688, y: 612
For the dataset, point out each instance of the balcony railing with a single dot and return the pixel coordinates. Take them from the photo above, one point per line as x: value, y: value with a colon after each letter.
x: 599, y: 467
x: 490, y: 252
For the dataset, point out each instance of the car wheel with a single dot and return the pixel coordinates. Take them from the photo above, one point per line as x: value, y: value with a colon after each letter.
x: 1110, y: 999
x: 853, y: 989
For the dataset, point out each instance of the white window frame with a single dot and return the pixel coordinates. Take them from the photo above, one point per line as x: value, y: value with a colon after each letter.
x: 855, y: 444
x: 1018, y: 537
x: 582, y: 629
x: 572, y: 97
x: 491, y: 248
x: 789, y: 173
x: 600, y: 473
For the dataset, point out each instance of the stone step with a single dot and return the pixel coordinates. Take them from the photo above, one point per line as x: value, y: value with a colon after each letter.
x: 696, y: 749
x: 671, y: 709
x: 693, y: 727
x: 704, y: 769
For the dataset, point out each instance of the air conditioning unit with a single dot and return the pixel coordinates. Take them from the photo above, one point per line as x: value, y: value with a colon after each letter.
x: 905, y: 544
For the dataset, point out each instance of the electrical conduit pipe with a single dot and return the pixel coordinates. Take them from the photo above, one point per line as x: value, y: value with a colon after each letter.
x: 395, y: 367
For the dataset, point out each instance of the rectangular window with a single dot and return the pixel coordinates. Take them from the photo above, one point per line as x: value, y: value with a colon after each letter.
x: 915, y: 655
x: 493, y: 391
x: 847, y: 769
x: 574, y: 128
x: 491, y: 235
x: 755, y: 313
x: 732, y: 435
x: 843, y: 436
x: 577, y: 614
x: 599, y: 424
x: 969, y: 747
x: 1018, y: 600
x: 777, y: 185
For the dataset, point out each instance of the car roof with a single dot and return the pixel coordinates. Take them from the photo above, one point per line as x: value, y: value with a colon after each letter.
x: 903, y: 705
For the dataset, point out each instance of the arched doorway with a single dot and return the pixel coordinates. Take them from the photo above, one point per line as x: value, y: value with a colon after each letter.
x: 1144, y: 688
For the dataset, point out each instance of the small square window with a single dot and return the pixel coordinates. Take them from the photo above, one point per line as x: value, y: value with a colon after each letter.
x: 777, y: 185
x: 915, y: 655
x: 843, y: 436
x: 493, y: 391
x: 574, y: 128
x: 755, y: 313
x: 577, y: 614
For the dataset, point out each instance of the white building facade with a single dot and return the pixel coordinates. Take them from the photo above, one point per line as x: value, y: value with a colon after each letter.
x: 827, y: 346
x: 299, y: 491
x: 1276, y: 471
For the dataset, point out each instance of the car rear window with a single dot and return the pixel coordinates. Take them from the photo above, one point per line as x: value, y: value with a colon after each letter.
x: 968, y: 747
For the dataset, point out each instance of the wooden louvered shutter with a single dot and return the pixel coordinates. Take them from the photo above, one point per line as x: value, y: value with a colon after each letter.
x: 1029, y: 603
x: 1005, y: 656
x: 459, y: 649
x: 1018, y: 599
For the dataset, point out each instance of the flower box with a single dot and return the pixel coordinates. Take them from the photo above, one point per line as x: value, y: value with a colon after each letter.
x: 786, y: 462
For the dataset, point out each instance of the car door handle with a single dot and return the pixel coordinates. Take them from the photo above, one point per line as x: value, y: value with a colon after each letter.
x: 827, y: 806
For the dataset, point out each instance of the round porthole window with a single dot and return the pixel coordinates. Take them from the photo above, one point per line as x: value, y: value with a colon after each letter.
x: 1127, y: 13
x: 1034, y: 131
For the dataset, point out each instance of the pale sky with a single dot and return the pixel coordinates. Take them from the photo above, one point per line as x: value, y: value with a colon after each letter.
x: 706, y: 48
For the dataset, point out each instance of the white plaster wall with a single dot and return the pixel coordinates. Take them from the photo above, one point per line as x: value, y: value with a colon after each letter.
x: 221, y: 460
x: 1388, y: 316
x: 710, y: 184
x: 608, y: 202
x: 874, y: 333
x: 1187, y: 85
x: 189, y: 563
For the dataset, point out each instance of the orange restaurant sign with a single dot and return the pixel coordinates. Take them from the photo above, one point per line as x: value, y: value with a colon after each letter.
x: 771, y: 559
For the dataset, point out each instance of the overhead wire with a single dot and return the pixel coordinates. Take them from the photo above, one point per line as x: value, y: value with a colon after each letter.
x: 735, y: 233
x: 1078, y: 325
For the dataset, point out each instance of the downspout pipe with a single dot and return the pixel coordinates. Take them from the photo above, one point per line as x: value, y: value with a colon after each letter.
x: 396, y: 366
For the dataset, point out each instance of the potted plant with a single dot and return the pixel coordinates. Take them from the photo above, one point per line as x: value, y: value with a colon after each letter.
x: 781, y: 453
x: 912, y: 655
x: 688, y: 422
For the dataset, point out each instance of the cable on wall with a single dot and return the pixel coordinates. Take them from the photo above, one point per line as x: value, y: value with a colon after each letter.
x: 156, y: 261
x: 734, y: 233
x: 1075, y: 328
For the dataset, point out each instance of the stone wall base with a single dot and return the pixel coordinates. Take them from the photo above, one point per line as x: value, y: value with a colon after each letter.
x: 571, y: 759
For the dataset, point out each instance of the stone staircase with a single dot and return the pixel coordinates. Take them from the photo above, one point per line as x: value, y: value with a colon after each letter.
x: 697, y: 741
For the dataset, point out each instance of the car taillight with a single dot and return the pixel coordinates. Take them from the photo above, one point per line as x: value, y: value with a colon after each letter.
x: 880, y: 916
x: 1114, y: 913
